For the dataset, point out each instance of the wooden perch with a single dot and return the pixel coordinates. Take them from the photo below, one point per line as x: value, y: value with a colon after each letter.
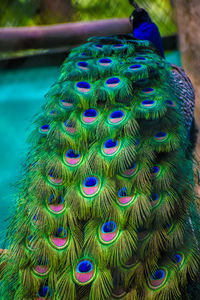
x: 61, y: 35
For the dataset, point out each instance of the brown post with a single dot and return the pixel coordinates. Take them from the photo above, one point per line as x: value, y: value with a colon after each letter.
x: 188, y: 20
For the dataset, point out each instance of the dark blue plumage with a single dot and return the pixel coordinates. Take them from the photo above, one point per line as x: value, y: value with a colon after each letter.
x: 145, y: 29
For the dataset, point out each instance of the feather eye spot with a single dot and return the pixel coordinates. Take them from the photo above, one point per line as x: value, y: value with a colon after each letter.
x: 111, y: 147
x: 161, y: 136
x: 42, y: 267
x: 66, y: 103
x: 118, y: 46
x: 84, y: 271
x: 53, y: 178
x: 31, y: 242
x: 91, y: 186
x: 131, y: 262
x: 70, y: 127
x: 83, y: 65
x: 170, y: 103
x: 148, y: 103
x: 178, y: 259
x: 72, y: 158
x: 56, y: 205
x: 108, y: 232
x: 158, y: 278
x: 132, y: 170
x: 105, y: 62
x: 60, y: 238
x: 155, y: 199
x: 140, y: 58
x: 113, y: 82
x: 44, y: 292
x: 155, y: 171
x: 124, y: 199
x: 98, y: 46
x: 53, y: 112
x: 83, y: 86
x: 116, y: 117
x: 90, y: 115
x: 135, y: 67
x: 148, y: 90
x: 44, y: 129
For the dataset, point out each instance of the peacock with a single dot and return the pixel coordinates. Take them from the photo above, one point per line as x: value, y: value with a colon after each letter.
x: 107, y: 207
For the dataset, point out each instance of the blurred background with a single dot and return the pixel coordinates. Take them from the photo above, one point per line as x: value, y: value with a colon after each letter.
x: 37, y: 35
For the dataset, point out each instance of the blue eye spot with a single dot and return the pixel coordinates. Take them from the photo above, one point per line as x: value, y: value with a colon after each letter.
x: 90, y: 182
x: 135, y: 67
x: 117, y: 114
x: 140, y: 58
x: 160, y: 134
x: 113, y: 80
x: 85, y: 266
x: 99, y: 46
x: 158, y: 275
x: 148, y: 102
x: 122, y: 192
x: 83, y: 64
x: 90, y: 113
x: 109, y: 227
x: 71, y: 154
x: 110, y: 144
x: 83, y: 85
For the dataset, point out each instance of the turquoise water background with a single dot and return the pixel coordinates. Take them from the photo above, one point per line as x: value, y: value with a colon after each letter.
x: 21, y: 96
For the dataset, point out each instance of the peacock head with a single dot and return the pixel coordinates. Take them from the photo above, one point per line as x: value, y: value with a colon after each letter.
x: 139, y: 16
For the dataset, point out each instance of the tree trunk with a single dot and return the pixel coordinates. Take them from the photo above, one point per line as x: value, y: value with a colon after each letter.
x: 188, y: 20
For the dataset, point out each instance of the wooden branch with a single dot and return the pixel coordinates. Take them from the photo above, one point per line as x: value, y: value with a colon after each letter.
x: 61, y: 35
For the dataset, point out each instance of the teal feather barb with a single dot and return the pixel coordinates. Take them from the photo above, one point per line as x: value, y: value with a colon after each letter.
x: 107, y: 208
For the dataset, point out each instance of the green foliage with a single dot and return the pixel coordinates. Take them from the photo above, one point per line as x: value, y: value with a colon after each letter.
x: 33, y: 12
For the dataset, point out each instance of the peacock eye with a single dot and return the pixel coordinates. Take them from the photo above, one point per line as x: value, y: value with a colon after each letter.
x: 42, y: 267
x: 124, y: 198
x: 45, y: 292
x: 116, y: 117
x: 170, y: 103
x: 132, y: 170
x: 135, y: 67
x: 84, y: 271
x: 154, y: 199
x: 90, y: 186
x: 118, y: 46
x: 158, y: 278
x: 155, y: 171
x: 53, y: 178
x: 60, y: 238
x: 140, y: 58
x: 83, y: 86
x: 178, y: 259
x: 44, y: 128
x: 113, y: 82
x: 70, y: 127
x: 90, y: 115
x: 83, y: 65
x: 161, y: 136
x: 108, y: 232
x: 148, y: 103
x: 98, y: 46
x: 148, y: 90
x: 72, y: 158
x: 105, y: 62
x: 111, y: 147
x: 66, y: 103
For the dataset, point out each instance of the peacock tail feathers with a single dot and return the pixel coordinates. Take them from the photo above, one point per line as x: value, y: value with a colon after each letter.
x: 107, y: 208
